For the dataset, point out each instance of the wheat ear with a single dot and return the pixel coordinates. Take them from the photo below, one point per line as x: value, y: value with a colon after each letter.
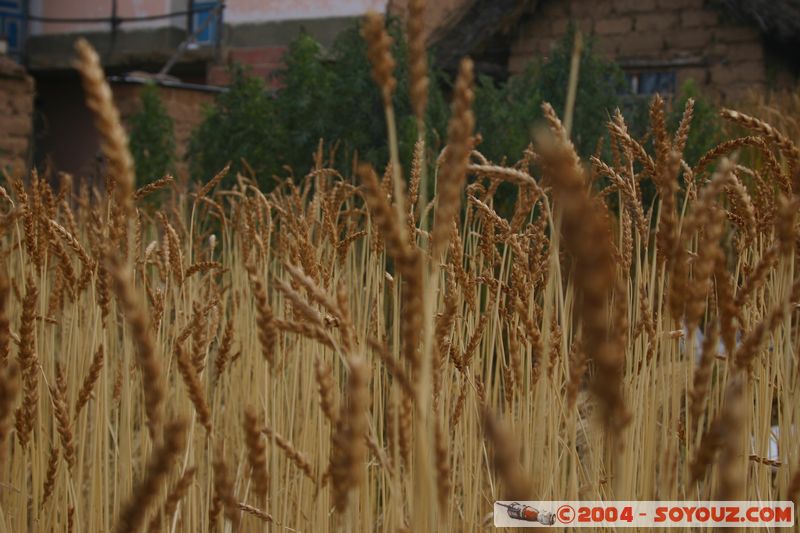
x: 349, y: 447
x: 29, y: 365
x: 114, y: 139
x: 9, y: 389
x: 256, y: 453
x: 134, y: 310
x: 453, y: 172
x: 134, y: 512
x: 88, y: 382
x: 193, y: 386
x: 174, y: 497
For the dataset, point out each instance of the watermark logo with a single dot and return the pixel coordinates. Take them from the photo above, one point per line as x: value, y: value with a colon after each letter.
x: 650, y: 514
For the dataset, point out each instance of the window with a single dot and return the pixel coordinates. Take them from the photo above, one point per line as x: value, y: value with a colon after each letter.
x: 200, y: 21
x: 646, y: 82
x: 11, y: 24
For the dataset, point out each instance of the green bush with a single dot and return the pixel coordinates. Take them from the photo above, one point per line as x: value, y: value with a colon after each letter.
x: 152, y: 138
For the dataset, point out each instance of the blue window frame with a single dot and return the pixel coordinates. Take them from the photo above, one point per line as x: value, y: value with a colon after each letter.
x: 209, y: 33
x: 11, y: 24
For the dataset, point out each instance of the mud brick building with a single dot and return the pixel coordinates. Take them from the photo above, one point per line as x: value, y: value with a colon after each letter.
x: 16, y: 110
x: 728, y: 47
x: 196, y: 39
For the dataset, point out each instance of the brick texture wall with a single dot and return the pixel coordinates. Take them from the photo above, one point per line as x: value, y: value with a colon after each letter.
x: 691, y: 37
x: 16, y: 112
x: 263, y: 62
x: 183, y: 105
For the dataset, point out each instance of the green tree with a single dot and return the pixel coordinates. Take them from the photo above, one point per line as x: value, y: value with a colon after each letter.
x: 239, y: 126
x: 358, y: 119
x: 507, y: 113
x: 323, y: 94
x: 302, y: 104
x: 600, y: 84
x: 330, y: 95
x: 152, y: 138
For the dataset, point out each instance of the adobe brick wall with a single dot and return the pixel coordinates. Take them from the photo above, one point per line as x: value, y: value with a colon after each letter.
x: 724, y: 58
x: 16, y: 112
x: 183, y: 105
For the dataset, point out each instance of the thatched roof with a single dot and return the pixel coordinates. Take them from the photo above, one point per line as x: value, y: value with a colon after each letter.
x: 471, y: 27
x: 778, y: 20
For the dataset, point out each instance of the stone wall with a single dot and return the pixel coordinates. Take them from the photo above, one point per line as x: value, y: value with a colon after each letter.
x: 690, y: 37
x: 16, y: 116
x: 185, y: 106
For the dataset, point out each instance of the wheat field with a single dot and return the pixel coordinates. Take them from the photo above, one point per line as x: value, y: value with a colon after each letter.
x: 359, y: 353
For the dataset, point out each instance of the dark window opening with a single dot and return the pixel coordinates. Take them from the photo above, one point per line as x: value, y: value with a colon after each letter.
x: 647, y: 82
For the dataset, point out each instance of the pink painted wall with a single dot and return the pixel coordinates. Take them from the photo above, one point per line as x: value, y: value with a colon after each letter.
x: 236, y: 12
x: 102, y: 8
x: 242, y: 11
